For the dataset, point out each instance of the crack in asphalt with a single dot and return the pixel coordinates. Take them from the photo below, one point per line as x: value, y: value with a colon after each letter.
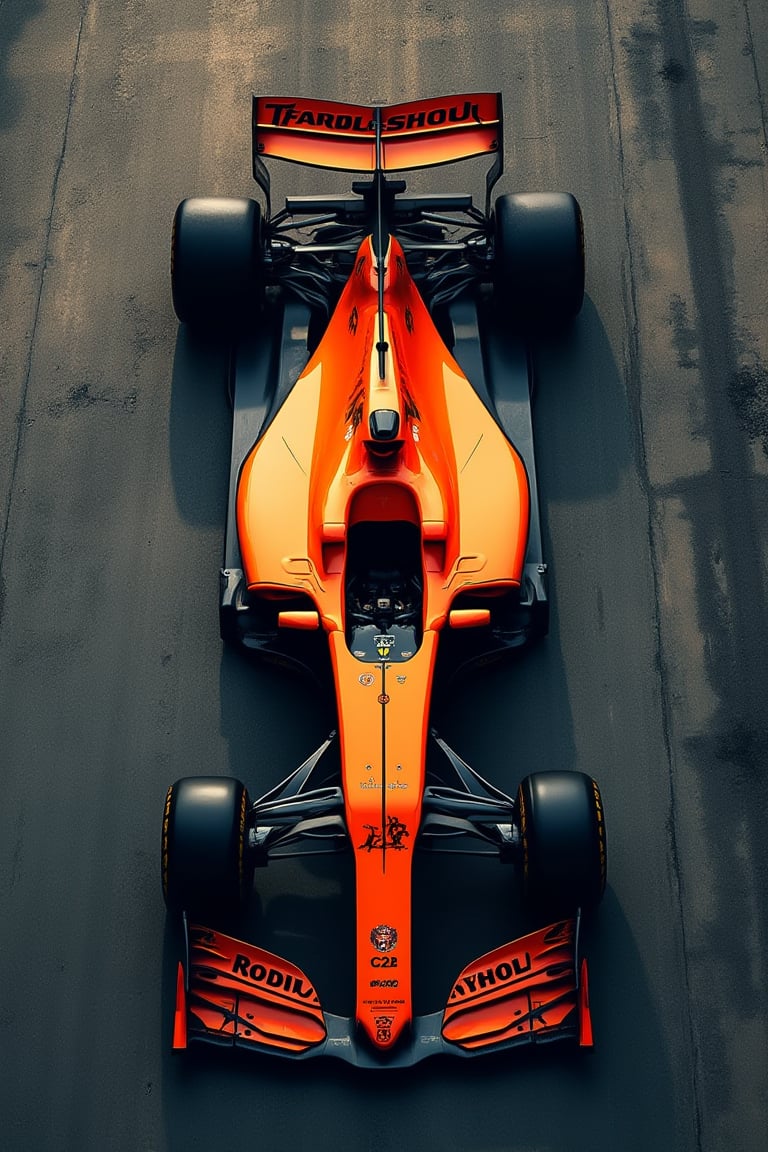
x: 756, y: 73
x: 21, y: 414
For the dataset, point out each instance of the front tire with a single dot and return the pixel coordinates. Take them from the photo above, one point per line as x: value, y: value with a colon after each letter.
x: 562, y: 833
x: 204, y: 859
x: 539, y: 257
x: 216, y: 261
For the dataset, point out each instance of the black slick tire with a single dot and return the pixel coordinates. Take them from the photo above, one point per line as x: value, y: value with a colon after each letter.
x: 204, y: 857
x: 562, y: 833
x: 216, y: 261
x: 538, y: 258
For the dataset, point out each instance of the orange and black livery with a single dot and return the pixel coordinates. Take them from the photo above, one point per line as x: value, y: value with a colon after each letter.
x: 383, y: 533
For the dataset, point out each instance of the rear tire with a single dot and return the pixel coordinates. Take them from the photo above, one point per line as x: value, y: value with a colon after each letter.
x: 562, y: 831
x: 539, y: 257
x: 216, y: 261
x: 204, y: 860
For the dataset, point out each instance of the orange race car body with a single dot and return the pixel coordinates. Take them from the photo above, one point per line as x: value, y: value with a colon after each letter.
x: 383, y: 527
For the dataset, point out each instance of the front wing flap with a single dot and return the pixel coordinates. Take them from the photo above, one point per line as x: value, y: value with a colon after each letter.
x: 236, y: 995
x: 528, y: 991
x: 240, y: 995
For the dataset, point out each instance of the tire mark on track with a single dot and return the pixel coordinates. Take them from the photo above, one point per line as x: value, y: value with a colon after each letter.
x: 633, y: 375
x: 22, y: 412
x: 724, y: 518
x: 722, y: 507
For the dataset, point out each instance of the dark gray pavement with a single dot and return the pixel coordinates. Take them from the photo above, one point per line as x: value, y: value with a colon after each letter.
x: 652, y: 432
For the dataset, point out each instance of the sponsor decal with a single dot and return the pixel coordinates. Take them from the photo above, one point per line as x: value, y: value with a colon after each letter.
x: 383, y: 1028
x: 383, y: 644
x: 353, y: 319
x: 384, y: 938
x: 494, y: 977
x: 434, y: 118
x: 384, y: 983
x: 366, y: 679
x: 383, y: 961
x: 415, y: 433
x: 392, y: 837
x: 402, y: 679
x: 273, y: 978
x: 383, y: 698
x: 291, y: 114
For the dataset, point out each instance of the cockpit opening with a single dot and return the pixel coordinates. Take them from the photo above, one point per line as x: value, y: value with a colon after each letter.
x: 384, y: 590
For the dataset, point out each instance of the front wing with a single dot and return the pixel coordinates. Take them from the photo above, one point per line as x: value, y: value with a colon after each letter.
x: 236, y: 995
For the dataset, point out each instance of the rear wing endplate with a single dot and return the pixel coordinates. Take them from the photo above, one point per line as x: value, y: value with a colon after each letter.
x: 385, y: 138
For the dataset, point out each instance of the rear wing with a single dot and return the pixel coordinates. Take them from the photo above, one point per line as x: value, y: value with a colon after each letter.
x: 377, y: 138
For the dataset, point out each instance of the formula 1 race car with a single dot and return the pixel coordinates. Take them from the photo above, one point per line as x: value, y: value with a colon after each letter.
x: 383, y: 531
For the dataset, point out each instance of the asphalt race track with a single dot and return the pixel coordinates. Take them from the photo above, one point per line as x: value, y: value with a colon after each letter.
x: 652, y: 432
